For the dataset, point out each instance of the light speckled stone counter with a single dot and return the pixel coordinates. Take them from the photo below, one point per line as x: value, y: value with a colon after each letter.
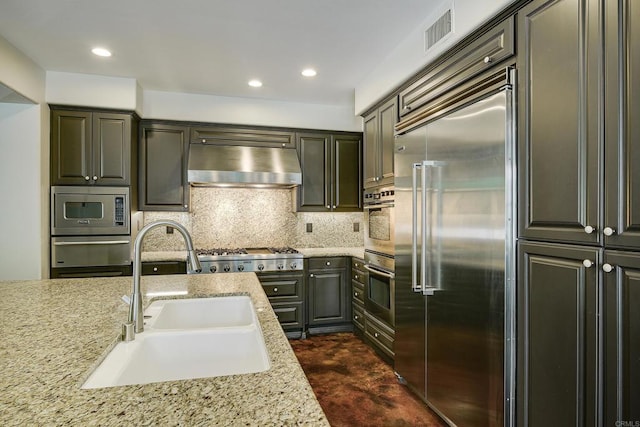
x: 307, y: 252
x: 54, y: 331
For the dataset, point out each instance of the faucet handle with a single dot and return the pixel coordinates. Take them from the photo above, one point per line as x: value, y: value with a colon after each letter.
x: 128, y: 332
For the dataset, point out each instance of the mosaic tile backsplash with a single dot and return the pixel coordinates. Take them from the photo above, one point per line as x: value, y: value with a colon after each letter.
x: 243, y: 217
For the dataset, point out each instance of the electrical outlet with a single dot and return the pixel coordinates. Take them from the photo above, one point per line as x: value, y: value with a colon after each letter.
x: 309, y: 227
x: 356, y: 227
x: 169, y: 229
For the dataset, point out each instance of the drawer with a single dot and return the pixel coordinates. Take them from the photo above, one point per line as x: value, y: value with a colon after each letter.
x: 357, y: 263
x: 357, y: 291
x: 358, y: 316
x: 290, y: 315
x: 164, y: 267
x: 481, y: 54
x: 240, y: 135
x: 358, y: 275
x: 380, y: 334
x: 325, y: 263
x: 282, y: 286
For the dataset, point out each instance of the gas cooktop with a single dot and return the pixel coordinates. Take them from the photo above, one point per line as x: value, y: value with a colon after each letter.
x: 229, y: 260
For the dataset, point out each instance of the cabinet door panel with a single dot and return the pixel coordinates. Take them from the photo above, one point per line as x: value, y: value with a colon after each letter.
x: 111, y: 148
x: 163, y: 168
x: 70, y: 148
x: 328, y: 297
x: 622, y: 127
x: 371, y: 150
x: 557, y: 335
x: 347, y: 168
x: 388, y: 118
x: 621, y: 343
x: 558, y: 122
x: 314, y: 152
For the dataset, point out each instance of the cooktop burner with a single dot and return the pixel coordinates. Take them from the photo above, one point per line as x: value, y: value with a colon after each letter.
x: 228, y: 260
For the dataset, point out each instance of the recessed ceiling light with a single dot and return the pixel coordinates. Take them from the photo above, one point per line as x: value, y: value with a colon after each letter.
x: 309, y: 72
x: 100, y: 51
x: 255, y: 83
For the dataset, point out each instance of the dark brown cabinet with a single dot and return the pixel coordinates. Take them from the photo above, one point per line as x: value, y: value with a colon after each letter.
x: 92, y: 147
x: 163, y: 267
x: 224, y: 134
x: 622, y: 329
x: 285, y: 291
x: 164, y: 153
x: 557, y: 335
x: 328, y: 299
x: 379, y: 137
x: 331, y: 172
x: 358, y: 278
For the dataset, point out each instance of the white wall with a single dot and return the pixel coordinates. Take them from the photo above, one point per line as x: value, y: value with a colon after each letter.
x: 409, y: 57
x: 24, y: 170
x: 91, y: 90
x: 250, y: 111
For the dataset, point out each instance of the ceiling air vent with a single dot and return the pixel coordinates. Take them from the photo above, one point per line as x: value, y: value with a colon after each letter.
x: 438, y: 30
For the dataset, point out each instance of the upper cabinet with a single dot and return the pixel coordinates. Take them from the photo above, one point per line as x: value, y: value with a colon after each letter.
x: 564, y: 155
x: 164, y: 150
x: 331, y: 172
x: 243, y: 135
x: 92, y: 147
x: 378, y: 144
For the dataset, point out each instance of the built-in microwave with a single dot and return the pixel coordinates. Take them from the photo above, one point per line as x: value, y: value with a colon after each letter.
x: 379, y: 220
x: 90, y: 211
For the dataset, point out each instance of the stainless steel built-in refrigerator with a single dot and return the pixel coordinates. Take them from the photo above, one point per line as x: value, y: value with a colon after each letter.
x: 455, y: 261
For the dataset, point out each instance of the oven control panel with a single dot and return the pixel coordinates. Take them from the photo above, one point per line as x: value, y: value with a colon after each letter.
x: 379, y: 195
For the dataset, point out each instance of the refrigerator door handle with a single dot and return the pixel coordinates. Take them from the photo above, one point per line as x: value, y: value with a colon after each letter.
x: 427, y: 240
x: 415, y: 286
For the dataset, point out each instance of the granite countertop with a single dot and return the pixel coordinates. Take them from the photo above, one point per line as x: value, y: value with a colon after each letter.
x: 54, y: 332
x: 358, y: 252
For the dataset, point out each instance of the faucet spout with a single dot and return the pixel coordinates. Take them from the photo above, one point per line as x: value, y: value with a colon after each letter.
x: 193, y: 266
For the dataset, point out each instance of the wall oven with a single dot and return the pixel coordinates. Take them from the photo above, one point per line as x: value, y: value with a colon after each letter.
x: 379, y: 298
x: 90, y: 231
x: 379, y: 227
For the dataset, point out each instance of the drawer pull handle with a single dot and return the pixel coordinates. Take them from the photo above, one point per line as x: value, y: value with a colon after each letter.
x: 328, y: 263
x: 275, y: 289
x: 155, y: 269
x: 356, y: 317
x: 356, y: 294
x: 356, y: 277
x: 375, y: 334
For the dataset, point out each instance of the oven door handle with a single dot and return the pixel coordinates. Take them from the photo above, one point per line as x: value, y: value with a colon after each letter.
x: 380, y: 272
x: 378, y: 205
x: 95, y: 242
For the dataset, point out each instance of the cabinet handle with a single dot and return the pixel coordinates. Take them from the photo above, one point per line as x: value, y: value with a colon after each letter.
x: 589, y: 229
x: 311, y: 275
x: 356, y: 317
x: 375, y: 334
x: 587, y: 263
x: 356, y: 275
x: 407, y: 107
x: 607, y: 268
x: 334, y: 206
x: 86, y: 178
x: 487, y: 60
x: 275, y: 289
x: 357, y: 265
x: 328, y: 263
x: 204, y: 140
x: 608, y: 231
x: 186, y: 206
x: 155, y: 269
x: 95, y: 178
x: 328, y: 207
x: 284, y: 145
x: 355, y: 294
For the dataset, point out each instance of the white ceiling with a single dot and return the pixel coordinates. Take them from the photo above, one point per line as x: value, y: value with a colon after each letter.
x: 216, y: 46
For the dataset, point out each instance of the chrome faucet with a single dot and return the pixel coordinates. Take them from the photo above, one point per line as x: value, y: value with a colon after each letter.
x: 135, y: 322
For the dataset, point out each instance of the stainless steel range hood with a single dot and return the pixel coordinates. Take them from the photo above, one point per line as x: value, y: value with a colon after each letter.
x: 239, y: 166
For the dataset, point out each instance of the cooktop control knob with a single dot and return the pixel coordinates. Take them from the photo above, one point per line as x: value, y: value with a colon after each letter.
x: 213, y: 269
x: 241, y: 267
x: 226, y: 268
x: 293, y: 265
x: 280, y: 267
x: 260, y: 267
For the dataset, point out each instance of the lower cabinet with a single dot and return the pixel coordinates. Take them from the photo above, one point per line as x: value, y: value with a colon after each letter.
x: 285, y: 291
x: 329, y: 298
x: 378, y: 334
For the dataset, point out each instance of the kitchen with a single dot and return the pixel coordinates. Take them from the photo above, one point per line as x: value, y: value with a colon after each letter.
x: 580, y: 231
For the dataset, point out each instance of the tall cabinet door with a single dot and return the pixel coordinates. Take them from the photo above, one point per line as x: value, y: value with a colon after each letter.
x: 70, y: 147
x: 347, y: 170
x: 314, y: 151
x: 163, y: 167
x: 111, y: 148
x: 388, y: 116
x: 557, y: 335
x: 622, y: 125
x: 559, y: 154
x: 371, y: 150
x: 621, y: 338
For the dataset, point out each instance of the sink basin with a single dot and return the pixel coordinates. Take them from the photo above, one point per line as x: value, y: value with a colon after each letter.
x: 188, y: 339
x: 194, y: 313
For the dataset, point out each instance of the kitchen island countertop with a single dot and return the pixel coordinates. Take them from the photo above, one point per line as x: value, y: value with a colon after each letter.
x: 55, y: 331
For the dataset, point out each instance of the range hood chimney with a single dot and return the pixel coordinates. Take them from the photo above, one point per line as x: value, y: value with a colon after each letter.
x: 241, y: 166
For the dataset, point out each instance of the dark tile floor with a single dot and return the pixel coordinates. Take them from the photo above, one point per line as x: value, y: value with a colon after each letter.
x: 355, y: 387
